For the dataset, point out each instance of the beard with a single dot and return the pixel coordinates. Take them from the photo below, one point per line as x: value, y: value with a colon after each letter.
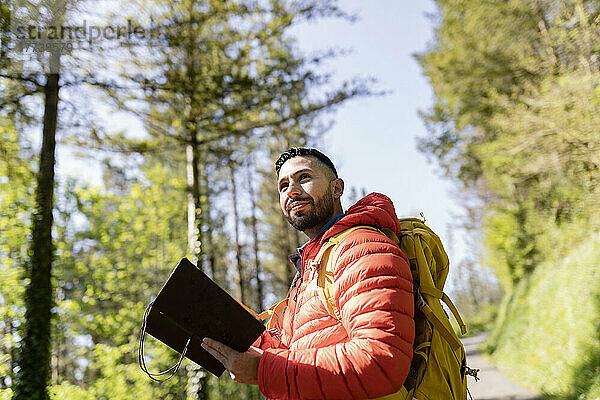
x: 316, y: 216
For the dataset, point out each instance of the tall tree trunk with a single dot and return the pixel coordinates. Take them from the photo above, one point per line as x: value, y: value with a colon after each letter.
x: 197, y: 377
x: 239, y: 269
x: 209, y: 249
x: 198, y: 389
x: 211, y: 259
x: 194, y: 204
x: 253, y: 224
x: 191, y: 204
x: 34, y: 356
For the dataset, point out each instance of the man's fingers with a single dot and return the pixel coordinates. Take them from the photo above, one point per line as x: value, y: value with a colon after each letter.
x: 218, y: 346
x: 219, y: 351
x: 243, y: 367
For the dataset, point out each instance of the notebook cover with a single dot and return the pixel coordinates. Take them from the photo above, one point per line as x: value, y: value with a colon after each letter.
x: 190, y: 304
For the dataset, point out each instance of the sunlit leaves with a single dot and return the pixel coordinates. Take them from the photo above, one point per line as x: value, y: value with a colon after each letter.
x: 516, y: 116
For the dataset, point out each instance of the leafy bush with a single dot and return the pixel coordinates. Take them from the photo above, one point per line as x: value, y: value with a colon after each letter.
x: 548, y: 330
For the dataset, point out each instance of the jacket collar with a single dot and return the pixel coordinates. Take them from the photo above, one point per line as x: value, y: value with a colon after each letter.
x: 375, y: 209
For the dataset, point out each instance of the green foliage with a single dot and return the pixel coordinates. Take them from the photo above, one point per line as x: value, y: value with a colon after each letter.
x: 511, y: 245
x: 483, y: 320
x: 69, y: 391
x: 549, y: 327
x: 516, y: 116
x: 15, y: 216
x: 482, y: 49
x: 117, y: 248
x: 6, y: 394
x: 109, y: 268
x: 515, y: 122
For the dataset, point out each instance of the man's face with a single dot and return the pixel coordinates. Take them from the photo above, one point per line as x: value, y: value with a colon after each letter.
x: 305, y: 194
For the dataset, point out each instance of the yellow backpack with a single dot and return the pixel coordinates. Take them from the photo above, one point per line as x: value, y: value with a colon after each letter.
x: 438, y: 369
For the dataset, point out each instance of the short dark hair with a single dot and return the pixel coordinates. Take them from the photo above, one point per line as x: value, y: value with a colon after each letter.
x: 304, y: 151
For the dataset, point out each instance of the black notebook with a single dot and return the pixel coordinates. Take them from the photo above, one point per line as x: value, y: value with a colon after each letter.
x: 191, y: 305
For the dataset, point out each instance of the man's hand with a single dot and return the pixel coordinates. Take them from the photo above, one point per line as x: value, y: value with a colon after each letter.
x: 243, y: 367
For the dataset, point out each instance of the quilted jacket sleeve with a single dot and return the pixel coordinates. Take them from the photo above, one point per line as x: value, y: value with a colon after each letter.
x: 373, y: 291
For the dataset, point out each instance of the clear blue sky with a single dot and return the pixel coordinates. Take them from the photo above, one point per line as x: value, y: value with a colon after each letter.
x: 373, y: 141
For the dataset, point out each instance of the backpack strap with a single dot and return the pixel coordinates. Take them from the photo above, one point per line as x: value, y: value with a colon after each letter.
x: 440, y: 295
x: 322, y: 257
x: 335, y: 239
x: 420, y: 229
x: 324, y: 267
x: 275, y: 310
x: 431, y: 296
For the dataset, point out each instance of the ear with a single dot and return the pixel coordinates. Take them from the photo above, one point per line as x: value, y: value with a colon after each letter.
x: 337, y: 188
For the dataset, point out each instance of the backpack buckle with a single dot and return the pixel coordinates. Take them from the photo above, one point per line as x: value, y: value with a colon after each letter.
x: 470, y: 371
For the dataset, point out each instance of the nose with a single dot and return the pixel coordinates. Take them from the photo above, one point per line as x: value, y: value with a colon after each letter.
x: 293, y: 189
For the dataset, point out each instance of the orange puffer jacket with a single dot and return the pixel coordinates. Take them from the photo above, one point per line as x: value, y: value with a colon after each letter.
x: 311, y: 355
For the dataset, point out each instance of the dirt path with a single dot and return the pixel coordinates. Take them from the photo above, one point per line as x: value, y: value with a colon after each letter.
x: 493, y: 384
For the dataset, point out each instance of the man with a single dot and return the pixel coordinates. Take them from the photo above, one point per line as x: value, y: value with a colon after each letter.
x: 310, y: 354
